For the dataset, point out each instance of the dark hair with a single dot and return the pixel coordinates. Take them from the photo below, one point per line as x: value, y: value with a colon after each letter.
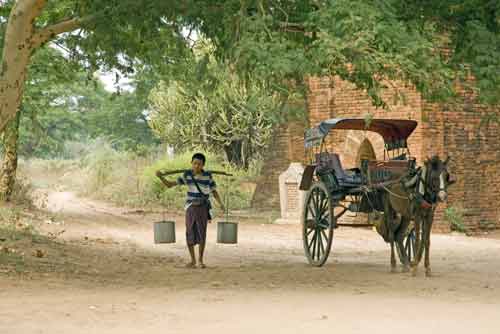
x: 199, y: 156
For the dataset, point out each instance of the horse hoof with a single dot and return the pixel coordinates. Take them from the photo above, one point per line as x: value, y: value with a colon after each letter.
x: 393, y: 270
x: 428, y: 272
x: 406, y: 269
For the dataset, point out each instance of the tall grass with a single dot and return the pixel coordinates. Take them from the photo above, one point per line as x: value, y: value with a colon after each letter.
x: 129, y: 178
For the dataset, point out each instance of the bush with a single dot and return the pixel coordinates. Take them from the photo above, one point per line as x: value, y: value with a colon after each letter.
x: 455, y: 216
x: 128, y: 178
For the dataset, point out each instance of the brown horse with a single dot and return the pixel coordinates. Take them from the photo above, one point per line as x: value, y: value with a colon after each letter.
x: 416, y: 199
x: 434, y: 187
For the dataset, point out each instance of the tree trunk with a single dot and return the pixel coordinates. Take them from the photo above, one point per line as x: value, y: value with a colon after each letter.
x: 17, y: 49
x: 233, y: 153
x: 9, y: 166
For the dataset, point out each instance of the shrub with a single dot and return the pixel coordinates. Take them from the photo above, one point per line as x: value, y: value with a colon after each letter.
x: 455, y: 216
x: 128, y: 178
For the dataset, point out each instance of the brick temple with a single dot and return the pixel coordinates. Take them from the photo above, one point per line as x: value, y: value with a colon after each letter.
x: 459, y: 130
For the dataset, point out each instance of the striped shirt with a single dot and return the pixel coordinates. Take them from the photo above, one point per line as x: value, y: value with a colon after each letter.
x: 205, y: 182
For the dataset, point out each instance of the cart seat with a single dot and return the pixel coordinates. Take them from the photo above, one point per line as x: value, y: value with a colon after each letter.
x: 349, y: 178
x: 381, y: 171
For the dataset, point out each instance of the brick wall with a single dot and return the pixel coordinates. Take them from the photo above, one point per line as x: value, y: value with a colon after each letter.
x: 474, y: 147
x: 334, y: 98
x: 286, y: 146
x: 457, y: 130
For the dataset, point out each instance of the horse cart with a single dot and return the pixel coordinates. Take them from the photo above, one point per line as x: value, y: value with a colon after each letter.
x: 332, y: 190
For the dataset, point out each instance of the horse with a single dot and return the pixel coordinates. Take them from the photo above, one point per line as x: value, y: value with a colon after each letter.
x: 433, y: 185
x: 416, y: 199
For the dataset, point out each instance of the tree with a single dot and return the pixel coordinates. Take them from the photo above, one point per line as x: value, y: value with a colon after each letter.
x: 97, y: 33
x: 9, y: 165
x: 48, y: 117
x: 427, y: 44
x: 122, y: 120
x: 49, y: 75
x: 222, y: 114
x: 365, y: 42
x: 62, y: 104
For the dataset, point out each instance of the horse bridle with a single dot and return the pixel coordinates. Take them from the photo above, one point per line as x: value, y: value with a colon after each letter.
x: 428, y: 186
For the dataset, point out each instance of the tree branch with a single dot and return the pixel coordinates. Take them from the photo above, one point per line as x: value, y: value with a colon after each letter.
x: 43, y: 35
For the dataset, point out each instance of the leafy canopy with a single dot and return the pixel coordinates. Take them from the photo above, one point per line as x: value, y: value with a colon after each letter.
x: 220, y: 112
x: 425, y: 43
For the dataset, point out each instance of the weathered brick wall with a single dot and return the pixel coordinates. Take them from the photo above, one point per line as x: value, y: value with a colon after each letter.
x: 286, y: 147
x: 457, y: 130
x: 432, y: 143
x: 474, y: 147
x: 334, y: 98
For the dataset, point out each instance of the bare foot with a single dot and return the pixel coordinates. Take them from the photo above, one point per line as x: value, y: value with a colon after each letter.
x: 202, y: 266
x: 191, y: 265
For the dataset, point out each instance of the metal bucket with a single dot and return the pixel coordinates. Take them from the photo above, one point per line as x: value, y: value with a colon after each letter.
x: 227, y: 233
x: 164, y: 232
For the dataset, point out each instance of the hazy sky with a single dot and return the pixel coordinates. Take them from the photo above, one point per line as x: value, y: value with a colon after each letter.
x: 108, y: 79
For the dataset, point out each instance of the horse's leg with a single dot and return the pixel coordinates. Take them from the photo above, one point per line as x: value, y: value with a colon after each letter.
x: 401, y: 233
x: 416, y: 259
x: 421, y: 244
x: 393, y: 258
x: 428, y: 245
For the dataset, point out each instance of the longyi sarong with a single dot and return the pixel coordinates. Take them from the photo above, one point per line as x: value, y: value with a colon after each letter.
x: 196, y: 225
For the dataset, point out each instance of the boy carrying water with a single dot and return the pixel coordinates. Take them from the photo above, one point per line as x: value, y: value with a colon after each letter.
x: 200, y: 185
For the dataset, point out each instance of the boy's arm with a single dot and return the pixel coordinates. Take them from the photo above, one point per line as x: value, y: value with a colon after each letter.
x: 168, y: 184
x: 217, y: 198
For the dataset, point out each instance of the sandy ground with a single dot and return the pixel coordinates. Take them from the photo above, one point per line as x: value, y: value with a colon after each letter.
x: 103, y: 274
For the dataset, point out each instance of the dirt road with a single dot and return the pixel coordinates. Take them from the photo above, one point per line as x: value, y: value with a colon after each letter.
x: 103, y: 274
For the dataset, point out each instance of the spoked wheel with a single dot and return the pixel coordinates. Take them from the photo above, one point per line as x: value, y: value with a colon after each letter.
x: 410, y: 245
x: 318, y: 223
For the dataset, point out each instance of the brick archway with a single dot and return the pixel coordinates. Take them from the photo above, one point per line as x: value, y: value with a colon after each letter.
x: 365, y: 152
x: 360, y: 143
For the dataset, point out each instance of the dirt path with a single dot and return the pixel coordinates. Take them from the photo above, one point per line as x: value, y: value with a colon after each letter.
x: 104, y: 275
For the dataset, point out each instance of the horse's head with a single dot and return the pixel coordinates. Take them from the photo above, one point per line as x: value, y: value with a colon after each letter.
x: 437, y: 179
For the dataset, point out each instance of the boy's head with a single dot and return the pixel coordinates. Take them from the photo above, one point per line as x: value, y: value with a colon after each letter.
x: 198, y: 162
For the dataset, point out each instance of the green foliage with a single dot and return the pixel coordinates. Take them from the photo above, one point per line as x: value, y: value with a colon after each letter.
x: 363, y: 42
x: 101, y: 163
x: 128, y: 179
x: 472, y: 31
x: 276, y: 44
x: 455, y: 216
x: 121, y: 119
x: 221, y: 112
x: 62, y: 105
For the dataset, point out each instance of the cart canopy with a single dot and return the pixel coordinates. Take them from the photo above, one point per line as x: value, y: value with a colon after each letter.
x: 394, y: 131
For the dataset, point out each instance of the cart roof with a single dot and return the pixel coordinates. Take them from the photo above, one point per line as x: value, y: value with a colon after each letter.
x: 394, y: 131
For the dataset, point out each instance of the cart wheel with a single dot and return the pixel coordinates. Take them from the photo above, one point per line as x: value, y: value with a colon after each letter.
x: 409, y: 243
x: 317, y: 225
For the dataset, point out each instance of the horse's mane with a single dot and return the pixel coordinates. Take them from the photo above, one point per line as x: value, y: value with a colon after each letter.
x: 434, y: 161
